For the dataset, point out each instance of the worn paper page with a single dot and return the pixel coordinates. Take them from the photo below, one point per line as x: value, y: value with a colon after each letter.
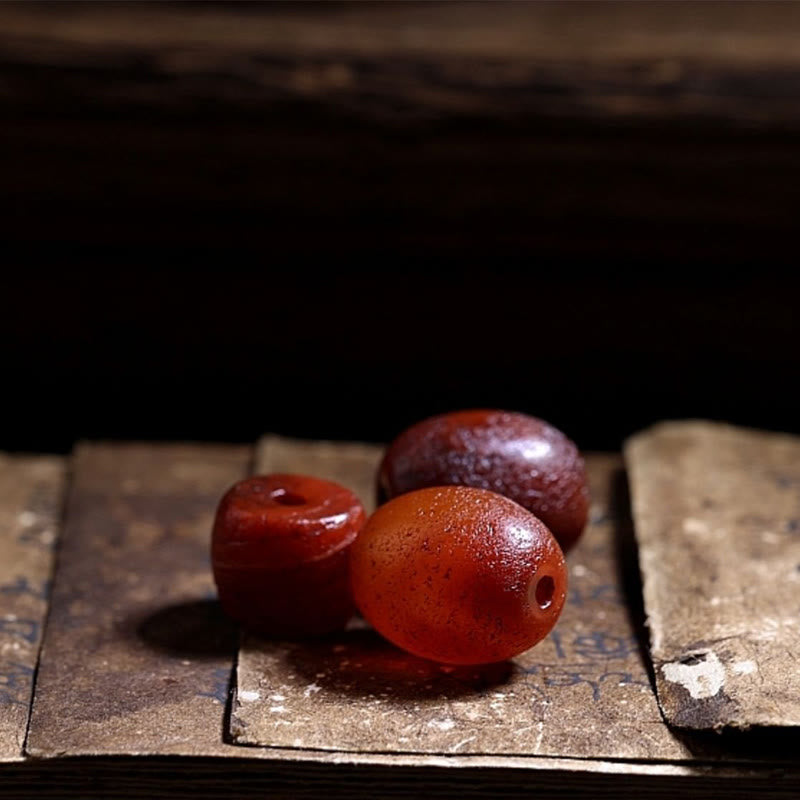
x: 137, y: 656
x: 584, y: 692
x: 31, y: 489
x: 717, y: 512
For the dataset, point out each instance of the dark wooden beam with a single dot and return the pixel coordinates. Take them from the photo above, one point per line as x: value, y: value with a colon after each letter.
x: 664, y: 130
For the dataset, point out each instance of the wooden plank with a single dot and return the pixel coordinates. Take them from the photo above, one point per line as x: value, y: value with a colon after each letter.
x: 31, y: 490
x: 376, y: 776
x: 732, y: 61
x: 582, y: 693
x: 136, y: 656
x: 533, y: 128
x: 717, y: 513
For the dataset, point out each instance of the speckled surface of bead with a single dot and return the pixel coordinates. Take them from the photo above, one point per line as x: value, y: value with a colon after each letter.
x: 521, y: 457
x: 458, y: 575
x: 279, y: 553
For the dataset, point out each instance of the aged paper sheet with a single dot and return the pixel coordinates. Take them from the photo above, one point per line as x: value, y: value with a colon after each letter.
x: 31, y: 489
x: 717, y: 512
x: 583, y: 692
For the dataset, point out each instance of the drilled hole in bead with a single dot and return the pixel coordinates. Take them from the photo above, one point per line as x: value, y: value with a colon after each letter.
x: 545, y: 589
x: 285, y: 498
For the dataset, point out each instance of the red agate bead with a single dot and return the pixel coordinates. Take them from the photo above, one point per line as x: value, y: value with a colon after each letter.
x: 279, y: 553
x: 458, y: 575
x: 521, y: 457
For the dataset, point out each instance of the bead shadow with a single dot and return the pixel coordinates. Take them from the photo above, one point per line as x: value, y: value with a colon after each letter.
x: 361, y: 664
x: 197, y: 628
x: 627, y: 560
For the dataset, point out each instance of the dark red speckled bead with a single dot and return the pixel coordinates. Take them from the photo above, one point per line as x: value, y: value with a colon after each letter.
x: 521, y: 457
x: 458, y: 575
x: 280, y: 550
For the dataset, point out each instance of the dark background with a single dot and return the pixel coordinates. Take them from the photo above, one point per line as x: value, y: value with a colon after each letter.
x: 191, y: 253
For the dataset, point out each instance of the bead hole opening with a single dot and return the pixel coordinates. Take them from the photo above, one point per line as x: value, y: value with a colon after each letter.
x: 544, y: 591
x: 286, y: 498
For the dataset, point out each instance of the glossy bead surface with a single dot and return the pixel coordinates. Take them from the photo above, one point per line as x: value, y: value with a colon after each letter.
x: 279, y: 553
x: 458, y: 575
x: 521, y: 457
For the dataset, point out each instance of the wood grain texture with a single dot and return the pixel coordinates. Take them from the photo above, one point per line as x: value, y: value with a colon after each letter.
x: 717, y: 513
x: 732, y: 61
x: 381, y: 777
x: 627, y: 129
x: 31, y: 494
